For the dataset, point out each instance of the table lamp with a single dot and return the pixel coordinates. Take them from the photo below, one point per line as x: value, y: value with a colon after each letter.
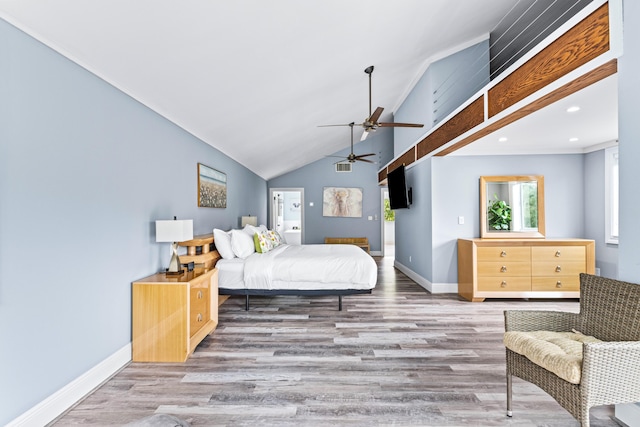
x: 251, y: 220
x: 174, y: 231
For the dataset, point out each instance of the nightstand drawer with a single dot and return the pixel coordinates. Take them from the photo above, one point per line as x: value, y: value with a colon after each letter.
x: 199, y: 310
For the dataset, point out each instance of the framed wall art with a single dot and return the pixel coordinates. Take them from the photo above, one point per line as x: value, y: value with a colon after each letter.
x: 342, y: 202
x: 212, y: 187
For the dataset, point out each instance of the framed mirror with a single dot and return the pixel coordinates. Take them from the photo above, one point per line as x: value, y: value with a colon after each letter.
x: 512, y: 207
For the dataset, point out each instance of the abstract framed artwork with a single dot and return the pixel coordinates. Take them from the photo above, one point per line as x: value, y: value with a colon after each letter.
x: 212, y: 187
x: 342, y: 202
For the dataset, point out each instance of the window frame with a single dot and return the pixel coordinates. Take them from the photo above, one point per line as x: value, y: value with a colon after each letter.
x: 612, y: 192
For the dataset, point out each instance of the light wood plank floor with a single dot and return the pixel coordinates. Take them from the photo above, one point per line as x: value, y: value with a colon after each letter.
x: 397, y: 357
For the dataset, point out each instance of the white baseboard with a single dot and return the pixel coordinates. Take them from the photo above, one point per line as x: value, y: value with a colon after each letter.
x: 629, y: 414
x: 375, y: 253
x: 434, y: 288
x: 63, y: 399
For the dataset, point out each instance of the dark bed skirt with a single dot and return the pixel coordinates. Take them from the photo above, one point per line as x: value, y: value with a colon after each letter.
x: 297, y: 292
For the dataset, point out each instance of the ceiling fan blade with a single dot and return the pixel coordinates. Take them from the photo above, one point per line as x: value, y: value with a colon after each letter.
x: 400, y: 125
x: 365, y: 160
x: 324, y: 126
x: 365, y: 155
x: 376, y: 115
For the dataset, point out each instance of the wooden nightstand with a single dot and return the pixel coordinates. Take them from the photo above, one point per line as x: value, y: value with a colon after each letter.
x: 171, y: 315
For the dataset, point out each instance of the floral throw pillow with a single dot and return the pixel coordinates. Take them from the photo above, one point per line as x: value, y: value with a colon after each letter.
x: 263, y: 242
x: 278, y: 237
x: 275, y: 238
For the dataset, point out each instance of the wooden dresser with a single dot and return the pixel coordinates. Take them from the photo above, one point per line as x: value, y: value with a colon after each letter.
x: 527, y: 268
x: 172, y: 314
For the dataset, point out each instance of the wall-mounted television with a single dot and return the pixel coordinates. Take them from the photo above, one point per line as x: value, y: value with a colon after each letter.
x: 399, y: 196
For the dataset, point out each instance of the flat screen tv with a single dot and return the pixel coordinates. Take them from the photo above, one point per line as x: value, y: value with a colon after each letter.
x: 399, y: 197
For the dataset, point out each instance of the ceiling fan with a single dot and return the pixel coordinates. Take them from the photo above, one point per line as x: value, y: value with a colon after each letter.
x: 352, y: 158
x: 371, y: 123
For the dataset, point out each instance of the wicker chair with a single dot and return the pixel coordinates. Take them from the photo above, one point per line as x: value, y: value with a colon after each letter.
x: 609, y: 311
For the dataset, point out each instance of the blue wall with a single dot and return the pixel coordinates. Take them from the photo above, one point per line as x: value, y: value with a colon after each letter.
x: 629, y: 148
x: 594, y: 212
x: 317, y: 175
x: 428, y: 232
x: 443, y: 87
x: 84, y: 172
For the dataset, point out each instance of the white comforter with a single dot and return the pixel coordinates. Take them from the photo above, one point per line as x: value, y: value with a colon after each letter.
x: 309, y: 267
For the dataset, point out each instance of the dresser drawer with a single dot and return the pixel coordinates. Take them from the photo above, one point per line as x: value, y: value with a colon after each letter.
x: 507, y: 253
x: 560, y: 283
x: 559, y: 268
x: 199, y: 310
x: 504, y: 284
x: 566, y: 253
x: 506, y: 268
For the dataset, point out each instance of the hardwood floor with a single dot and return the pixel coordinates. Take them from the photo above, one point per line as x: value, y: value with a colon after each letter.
x: 397, y: 357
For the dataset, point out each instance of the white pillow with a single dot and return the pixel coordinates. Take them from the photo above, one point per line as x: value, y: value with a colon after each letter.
x: 251, y: 229
x: 222, y: 240
x: 241, y: 243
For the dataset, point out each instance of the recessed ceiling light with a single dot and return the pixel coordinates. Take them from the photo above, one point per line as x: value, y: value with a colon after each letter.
x: 573, y: 109
x: 573, y: 139
x: 502, y: 139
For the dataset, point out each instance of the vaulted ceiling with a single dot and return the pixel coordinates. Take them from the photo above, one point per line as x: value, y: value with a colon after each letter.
x: 255, y: 78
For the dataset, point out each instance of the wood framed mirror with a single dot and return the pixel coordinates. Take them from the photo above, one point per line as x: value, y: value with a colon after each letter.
x: 512, y: 207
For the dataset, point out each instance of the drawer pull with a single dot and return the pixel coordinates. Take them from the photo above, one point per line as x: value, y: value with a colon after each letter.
x: 558, y: 269
x: 557, y: 253
x: 558, y: 284
x: 503, y: 269
x: 503, y: 253
x: 199, y: 294
x: 199, y: 319
x: 503, y: 284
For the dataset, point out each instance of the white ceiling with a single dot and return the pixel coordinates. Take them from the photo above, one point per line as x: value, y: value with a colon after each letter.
x: 255, y: 78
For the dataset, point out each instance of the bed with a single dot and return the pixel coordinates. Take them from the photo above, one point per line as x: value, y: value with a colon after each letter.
x: 304, y: 270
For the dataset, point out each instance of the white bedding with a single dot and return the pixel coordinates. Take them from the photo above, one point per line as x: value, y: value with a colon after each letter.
x: 301, y: 267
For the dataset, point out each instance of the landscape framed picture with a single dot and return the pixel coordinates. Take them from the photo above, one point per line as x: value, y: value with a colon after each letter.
x: 342, y: 202
x: 212, y: 187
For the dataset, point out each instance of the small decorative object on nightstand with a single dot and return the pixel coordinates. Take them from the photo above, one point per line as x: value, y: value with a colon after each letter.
x: 174, y: 231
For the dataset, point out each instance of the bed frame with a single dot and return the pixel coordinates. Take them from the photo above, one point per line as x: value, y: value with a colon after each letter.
x: 263, y: 292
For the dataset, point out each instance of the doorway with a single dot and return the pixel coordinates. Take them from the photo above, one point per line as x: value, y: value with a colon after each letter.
x: 388, y: 226
x: 287, y: 213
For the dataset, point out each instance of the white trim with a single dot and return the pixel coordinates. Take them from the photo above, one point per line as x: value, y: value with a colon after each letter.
x: 629, y: 414
x: 375, y: 253
x: 63, y: 399
x: 434, y: 288
x: 610, y: 209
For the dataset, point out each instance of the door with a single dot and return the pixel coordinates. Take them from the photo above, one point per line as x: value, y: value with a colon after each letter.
x: 287, y: 213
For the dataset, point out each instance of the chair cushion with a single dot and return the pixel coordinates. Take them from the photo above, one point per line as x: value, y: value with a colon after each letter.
x: 557, y: 352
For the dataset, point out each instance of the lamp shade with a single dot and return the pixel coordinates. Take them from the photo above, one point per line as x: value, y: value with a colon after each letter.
x: 174, y: 230
x: 251, y: 220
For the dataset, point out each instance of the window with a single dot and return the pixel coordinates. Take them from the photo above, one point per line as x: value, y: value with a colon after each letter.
x: 611, y: 190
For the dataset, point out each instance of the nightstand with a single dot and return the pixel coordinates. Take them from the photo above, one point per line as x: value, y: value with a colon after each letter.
x: 173, y: 314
